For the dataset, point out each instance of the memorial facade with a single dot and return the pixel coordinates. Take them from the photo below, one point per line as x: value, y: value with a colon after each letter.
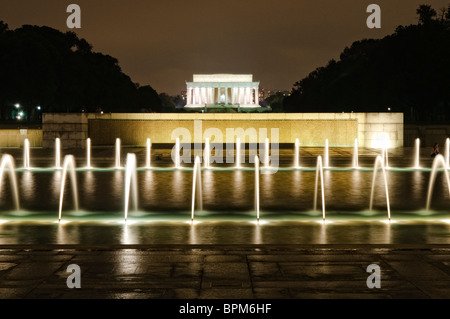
x: 232, y: 90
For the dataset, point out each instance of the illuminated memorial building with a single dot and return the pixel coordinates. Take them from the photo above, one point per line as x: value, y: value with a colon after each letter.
x: 222, y: 91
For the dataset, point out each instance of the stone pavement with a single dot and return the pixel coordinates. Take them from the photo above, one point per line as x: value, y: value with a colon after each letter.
x: 225, y: 272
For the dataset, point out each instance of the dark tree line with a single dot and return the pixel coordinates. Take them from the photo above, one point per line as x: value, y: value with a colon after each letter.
x: 408, y: 71
x: 59, y: 72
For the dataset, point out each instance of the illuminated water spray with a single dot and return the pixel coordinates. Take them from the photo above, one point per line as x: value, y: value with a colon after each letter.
x: 68, y: 166
x: 196, y: 187
x: 57, y: 153
x: 384, y: 157
x: 118, y: 153
x: 439, y: 160
x: 238, y: 152
x: 319, y: 171
x: 326, y: 159
x: 26, y: 154
x: 447, y: 152
x: 7, y: 161
x: 148, y: 162
x: 130, y: 183
x: 257, y: 187
x: 207, y: 153
x: 417, y: 161
x: 88, y: 153
x: 177, y: 153
x: 266, y: 153
x: 379, y: 162
x: 297, y: 154
x: 355, y: 154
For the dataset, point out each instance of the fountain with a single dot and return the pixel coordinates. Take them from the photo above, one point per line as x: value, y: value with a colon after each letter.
x: 257, y: 187
x: 417, y: 161
x: 148, y: 154
x: 7, y: 161
x: 238, y: 152
x: 297, y: 154
x: 118, y: 153
x: 319, y: 170
x: 355, y: 155
x: 384, y: 156
x: 326, y: 157
x: 380, y: 163
x: 69, y: 165
x: 438, y: 160
x: 207, y: 152
x: 196, y: 187
x: 130, y: 182
x: 88, y: 153
x: 447, y: 153
x: 58, y: 153
x: 266, y: 154
x: 177, y: 153
x: 26, y: 154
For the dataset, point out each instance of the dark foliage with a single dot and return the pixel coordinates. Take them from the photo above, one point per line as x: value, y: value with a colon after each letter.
x: 407, y: 72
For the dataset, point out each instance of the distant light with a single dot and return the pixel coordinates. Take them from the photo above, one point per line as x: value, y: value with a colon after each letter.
x: 389, y: 108
x: 17, y: 105
x: 38, y: 107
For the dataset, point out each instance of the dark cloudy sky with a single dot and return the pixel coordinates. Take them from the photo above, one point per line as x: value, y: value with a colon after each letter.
x: 164, y: 42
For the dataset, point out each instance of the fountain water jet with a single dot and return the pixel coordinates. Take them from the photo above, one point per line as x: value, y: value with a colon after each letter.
x: 384, y: 156
x: 57, y: 153
x: 118, y: 153
x: 148, y: 153
x: 177, y: 153
x: 26, y: 154
x: 68, y: 165
x: 417, y: 161
x: 207, y: 153
x: 257, y: 187
x: 438, y: 160
x: 266, y: 153
x: 297, y: 154
x: 130, y: 182
x: 7, y: 161
x: 319, y: 170
x: 355, y: 155
x: 238, y: 152
x: 447, y: 153
x: 88, y: 153
x: 379, y: 162
x: 196, y: 187
x: 326, y: 159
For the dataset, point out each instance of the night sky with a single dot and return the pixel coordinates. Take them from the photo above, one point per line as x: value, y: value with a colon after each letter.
x: 162, y: 43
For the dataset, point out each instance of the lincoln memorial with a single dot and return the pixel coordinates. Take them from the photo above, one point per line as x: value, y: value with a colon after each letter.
x: 228, y: 90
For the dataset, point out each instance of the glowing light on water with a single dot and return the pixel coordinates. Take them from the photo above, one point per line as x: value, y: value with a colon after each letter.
x: 177, y: 153
x: 7, y: 161
x: 88, y: 153
x: 238, y: 152
x: 326, y: 158
x: 439, y: 160
x: 196, y: 187
x: 266, y: 153
x: 148, y: 153
x: 380, y: 163
x: 130, y: 182
x: 207, y: 153
x: 57, y: 153
x: 26, y: 154
x: 297, y: 154
x: 118, y: 153
x: 257, y: 187
x: 69, y: 165
x: 417, y: 161
x: 319, y: 170
x: 355, y: 154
